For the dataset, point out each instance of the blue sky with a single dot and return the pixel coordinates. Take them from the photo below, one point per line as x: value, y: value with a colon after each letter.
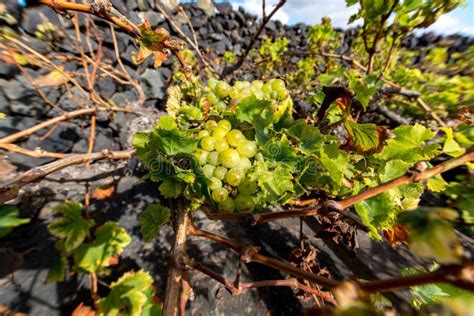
x: 460, y: 20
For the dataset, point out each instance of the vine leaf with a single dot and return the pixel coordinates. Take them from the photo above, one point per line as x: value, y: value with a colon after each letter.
x: 436, y: 184
x: 249, y: 108
x: 132, y: 294
x: 110, y: 241
x: 451, y: 147
x: 9, y: 219
x: 409, y: 144
x: 83, y: 310
x: 152, y: 42
x: 173, y: 103
x: 57, y: 271
x: 364, y: 138
x: 152, y: 219
x: 169, y: 140
x: 432, y: 235
x: 170, y: 188
x: 308, y: 137
x: 71, y: 227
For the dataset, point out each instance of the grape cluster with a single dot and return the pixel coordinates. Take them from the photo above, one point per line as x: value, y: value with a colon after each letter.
x: 223, y: 96
x: 225, y: 155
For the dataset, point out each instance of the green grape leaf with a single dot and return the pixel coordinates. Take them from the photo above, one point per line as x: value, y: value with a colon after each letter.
x: 436, y: 184
x: 110, y: 241
x: 465, y: 135
x: 249, y: 108
x: 336, y: 162
x: 58, y: 270
x: 191, y: 113
x: 71, y: 226
x: 170, y: 188
x: 376, y: 213
x: 409, y: 144
x: 141, y: 140
x: 169, y: 140
x: 432, y: 235
x: 273, y: 182
x: 281, y: 151
x: 364, y: 89
x: 451, y: 147
x: 151, y: 220
x: 130, y: 295
x: 9, y: 219
x: 393, y: 169
x: 363, y: 138
x: 308, y: 138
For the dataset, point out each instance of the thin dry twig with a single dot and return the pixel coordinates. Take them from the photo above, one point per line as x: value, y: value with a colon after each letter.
x: 458, y: 275
x: 9, y: 189
x: 64, y: 117
x: 229, y: 70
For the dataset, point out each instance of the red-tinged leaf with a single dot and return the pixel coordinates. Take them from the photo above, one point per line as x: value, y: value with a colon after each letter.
x: 113, y: 260
x: 103, y: 193
x: 160, y: 57
x: 142, y: 54
x: 365, y: 139
x: 398, y: 234
x: 53, y: 79
x: 83, y: 310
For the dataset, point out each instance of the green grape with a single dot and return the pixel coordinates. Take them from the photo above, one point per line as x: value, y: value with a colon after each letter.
x: 241, y: 84
x: 267, y: 88
x: 210, y: 125
x: 282, y: 94
x: 234, y: 93
x: 248, y: 187
x: 207, y: 143
x: 227, y: 206
x: 229, y: 158
x: 208, y: 170
x: 244, y: 203
x: 212, y: 98
x: 219, y: 195
x: 259, y: 157
x: 247, y: 149
x: 222, y: 89
x: 201, y: 156
x: 203, y: 133
x: 225, y: 124
x: 258, y: 84
x: 274, y: 95
x: 235, y: 137
x: 234, y: 176
x: 219, y: 133
x: 211, y: 83
x: 221, y: 145
x: 244, y: 163
x: 220, y: 172
x: 221, y: 106
x: 215, y: 183
x: 213, y: 158
x: 277, y: 85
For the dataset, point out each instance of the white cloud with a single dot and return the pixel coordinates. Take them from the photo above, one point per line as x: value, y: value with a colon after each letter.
x: 449, y: 24
x: 306, y: 11
x: 311, y: 12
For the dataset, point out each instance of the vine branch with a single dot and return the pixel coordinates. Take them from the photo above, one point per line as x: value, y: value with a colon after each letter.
x: 457, y: 275
x: 9, y: 189
x: 339, y: 206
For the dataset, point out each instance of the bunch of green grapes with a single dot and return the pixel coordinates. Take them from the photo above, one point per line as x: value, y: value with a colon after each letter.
x: 223, y: 96
x: 225, y: 155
